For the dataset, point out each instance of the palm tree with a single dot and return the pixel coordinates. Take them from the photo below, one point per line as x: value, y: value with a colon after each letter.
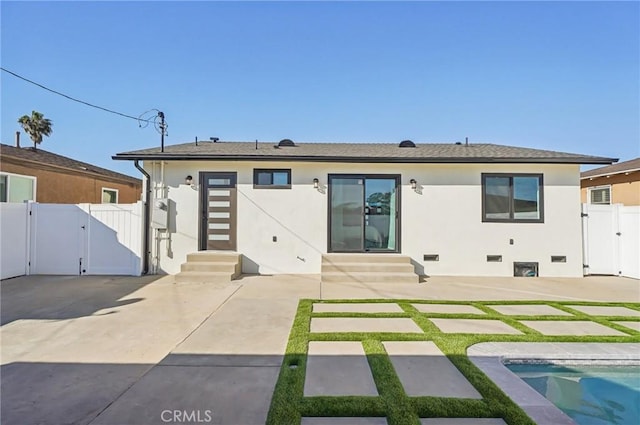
x: 36, y: 126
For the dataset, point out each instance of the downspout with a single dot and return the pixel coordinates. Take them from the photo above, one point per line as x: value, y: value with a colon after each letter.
x: 147, y: 216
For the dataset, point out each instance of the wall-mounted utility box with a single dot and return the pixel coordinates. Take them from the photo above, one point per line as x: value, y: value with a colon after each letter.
x: 160, y: 214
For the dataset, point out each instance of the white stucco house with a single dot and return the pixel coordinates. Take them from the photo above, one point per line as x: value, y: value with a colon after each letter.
x: 450, y: 208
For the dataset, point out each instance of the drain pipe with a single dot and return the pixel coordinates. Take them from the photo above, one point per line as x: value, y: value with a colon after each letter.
x: 147, y: 216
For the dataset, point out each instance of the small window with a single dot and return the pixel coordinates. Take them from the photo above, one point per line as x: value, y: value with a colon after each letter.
x: 600, y: 195
x: 431, y: 257
x: 512, y: 198
x: 17, y: 188
x: 3, y: 188
x: 271, y: 179
x: 109, y: 196
x: 494, y: 258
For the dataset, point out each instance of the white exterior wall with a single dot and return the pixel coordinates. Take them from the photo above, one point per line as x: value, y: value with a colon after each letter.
x: 443, y: 217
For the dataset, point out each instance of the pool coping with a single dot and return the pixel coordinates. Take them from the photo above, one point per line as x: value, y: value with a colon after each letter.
x: 490, y: 358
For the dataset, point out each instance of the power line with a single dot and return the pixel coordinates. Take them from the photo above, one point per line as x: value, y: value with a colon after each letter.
x: 74, y: 99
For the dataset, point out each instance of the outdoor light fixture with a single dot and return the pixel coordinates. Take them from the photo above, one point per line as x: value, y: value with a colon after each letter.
x: 315, y: 183
x: 414, y: 184
x: 188, y: 180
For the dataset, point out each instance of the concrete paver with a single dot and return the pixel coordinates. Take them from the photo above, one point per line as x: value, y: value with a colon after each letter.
x: 631, y: 325
x: 337, y: 369
x: 574, y: 327
x: 475, y: 326
x: 357, y: 308
x: 363, y: 324
x: 529, y: 310
x: 448, y: 308
x: 596, y: 310
x: 344, y: 421
x: 424, y: 370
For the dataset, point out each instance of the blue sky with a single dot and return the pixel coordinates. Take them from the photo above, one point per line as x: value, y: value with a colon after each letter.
x: 552, y: 75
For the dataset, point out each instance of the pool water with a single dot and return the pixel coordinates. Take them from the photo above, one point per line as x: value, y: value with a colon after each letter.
x: 590, y: 395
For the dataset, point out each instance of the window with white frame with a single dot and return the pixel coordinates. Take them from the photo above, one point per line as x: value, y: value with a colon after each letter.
x: 17, y: 188
x: 600, y: 195
x: 109, y: 196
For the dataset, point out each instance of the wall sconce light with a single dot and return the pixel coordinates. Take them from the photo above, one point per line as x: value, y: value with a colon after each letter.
x: 188, y: 180
x: 315, y: 183
x: 414, y: 184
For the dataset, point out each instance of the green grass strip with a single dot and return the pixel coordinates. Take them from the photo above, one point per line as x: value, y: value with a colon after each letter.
x: 289, y: 405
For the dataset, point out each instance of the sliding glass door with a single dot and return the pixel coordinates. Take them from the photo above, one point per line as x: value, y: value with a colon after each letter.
x: 363, y: 213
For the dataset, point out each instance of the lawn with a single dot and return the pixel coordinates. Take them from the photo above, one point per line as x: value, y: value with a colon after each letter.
x: 289, y: 404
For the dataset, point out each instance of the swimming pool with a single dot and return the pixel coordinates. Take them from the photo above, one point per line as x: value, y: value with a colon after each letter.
x: 589, y: 394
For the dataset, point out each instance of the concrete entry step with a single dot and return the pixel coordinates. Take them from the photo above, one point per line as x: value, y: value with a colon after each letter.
x: 365, y: 258
x: 210, y: 266
x: 368, y: 268
x: 205, y: 266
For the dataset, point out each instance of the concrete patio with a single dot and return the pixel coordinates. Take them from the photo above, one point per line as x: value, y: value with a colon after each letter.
x: 104, y: 350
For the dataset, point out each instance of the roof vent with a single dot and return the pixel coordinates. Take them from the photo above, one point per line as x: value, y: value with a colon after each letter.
x: 285, y: 142
x: 407, y: 144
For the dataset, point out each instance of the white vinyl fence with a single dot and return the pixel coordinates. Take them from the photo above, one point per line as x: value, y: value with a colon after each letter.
x: 70, y: 239
x: 611, y: 239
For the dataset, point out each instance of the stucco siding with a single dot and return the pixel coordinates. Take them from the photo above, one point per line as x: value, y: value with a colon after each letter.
x: 67, y: 188
x: 625, y: 189
x: 444, y: 217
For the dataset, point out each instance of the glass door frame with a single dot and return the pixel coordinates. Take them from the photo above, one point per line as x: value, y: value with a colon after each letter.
x: 364, y: 177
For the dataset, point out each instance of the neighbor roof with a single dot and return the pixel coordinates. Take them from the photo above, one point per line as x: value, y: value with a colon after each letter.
x: 622, y: 167
x: 360, y: 152
x: 39, y: 156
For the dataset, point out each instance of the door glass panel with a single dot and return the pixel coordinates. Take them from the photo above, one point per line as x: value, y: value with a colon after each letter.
x: 218, y: 237
x: 214, y: 192
x: 219, y: 226
x: 219, y: 203
x: 219, y: 182
x: 380, y: 214
x: 219, y: 215
x: 347, y: 224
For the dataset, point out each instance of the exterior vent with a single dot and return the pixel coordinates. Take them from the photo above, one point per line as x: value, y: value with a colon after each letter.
x: 431, y: 257
x: 407, y: 144
x: 286, y: 143
x: 494, y: 258
x: 525, y: 269
x: 558, y: 258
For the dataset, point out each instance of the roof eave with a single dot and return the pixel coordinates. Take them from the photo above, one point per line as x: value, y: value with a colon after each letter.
x: 631, y: 170
x: 377, y: 160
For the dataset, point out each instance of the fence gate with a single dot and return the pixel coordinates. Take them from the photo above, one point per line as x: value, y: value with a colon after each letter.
x: 58, y: 239
x: 610, y: 239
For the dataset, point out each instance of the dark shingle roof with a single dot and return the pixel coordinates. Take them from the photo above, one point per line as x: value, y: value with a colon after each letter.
x: 621, y: 167
x: 361, y: 152
x: 48, y: 158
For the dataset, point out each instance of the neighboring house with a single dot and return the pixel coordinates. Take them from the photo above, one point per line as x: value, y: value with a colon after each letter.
x: 454, y: 209
x: 37, y: 175
x: 613, y: 184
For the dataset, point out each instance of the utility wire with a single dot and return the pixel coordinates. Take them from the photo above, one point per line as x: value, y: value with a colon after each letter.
x: 74, y: 99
